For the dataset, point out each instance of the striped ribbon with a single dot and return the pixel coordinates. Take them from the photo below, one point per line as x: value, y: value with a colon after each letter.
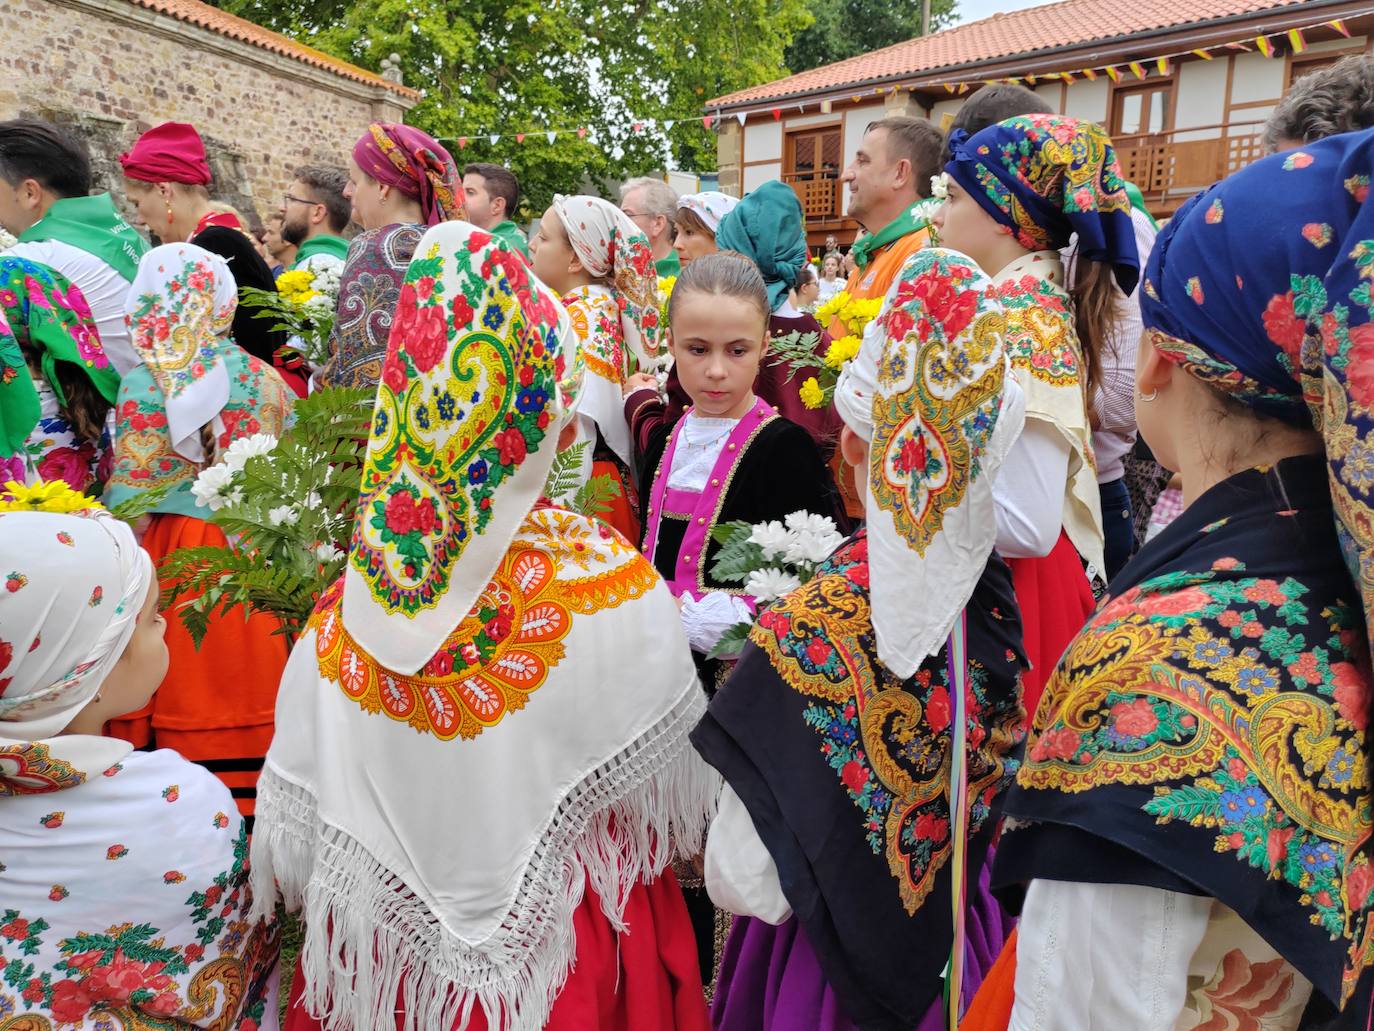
x: 958, y: 811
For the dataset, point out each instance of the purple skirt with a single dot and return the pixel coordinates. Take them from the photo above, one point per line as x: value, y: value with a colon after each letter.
x: 771, y: 980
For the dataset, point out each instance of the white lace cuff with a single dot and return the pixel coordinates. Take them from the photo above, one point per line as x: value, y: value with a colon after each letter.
x: 706, y: 619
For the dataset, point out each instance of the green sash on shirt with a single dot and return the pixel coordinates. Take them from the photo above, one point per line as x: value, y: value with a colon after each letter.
x: 912, y: 220
x: 1137, y: 200
x: 335, y: 245
x: 669, y: 266
x: 510, y: 235
x: 91, y: 224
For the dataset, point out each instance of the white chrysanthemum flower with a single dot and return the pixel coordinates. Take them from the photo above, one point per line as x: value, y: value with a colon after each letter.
x: 6, y: 240
x: 771, y: 537
x: 326, y: 552
x: 283, y: 515
x: 248, y: 447
x: 939, y: 186
x: 811, y: 547
x: 767, y: 584
x: 806, y: 522
x: 209, y: 486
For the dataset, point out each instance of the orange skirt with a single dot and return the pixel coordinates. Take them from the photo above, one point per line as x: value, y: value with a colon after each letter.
x: 622, y: 514
x: 991, y: 1008
x: 217, y: 702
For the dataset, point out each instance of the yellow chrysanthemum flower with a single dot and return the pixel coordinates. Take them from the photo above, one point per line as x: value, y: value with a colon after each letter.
x: 841, y: 352
x: 811, y: 393
x: 827, y: 311
x: 295, y: 281
x: 858, y: 313
x: 52, y: 496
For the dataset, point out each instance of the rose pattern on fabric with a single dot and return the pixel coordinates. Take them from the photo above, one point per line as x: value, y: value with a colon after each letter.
x: 888, y: 740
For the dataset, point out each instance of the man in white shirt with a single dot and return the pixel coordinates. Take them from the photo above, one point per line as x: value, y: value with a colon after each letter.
x: 45, y: 185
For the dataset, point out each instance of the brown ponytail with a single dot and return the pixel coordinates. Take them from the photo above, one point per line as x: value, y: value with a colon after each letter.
x: 1095, y: 311
x: 207, y: 443
x: 85, y: 407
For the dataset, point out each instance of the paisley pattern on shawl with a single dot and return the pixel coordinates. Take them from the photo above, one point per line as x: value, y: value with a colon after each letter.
x: 1047, y: 177
x: 1222, y: 692
x: 888, y: 740
x: 1047, y: 361
x: 259, y: 402
x: 369, y: 288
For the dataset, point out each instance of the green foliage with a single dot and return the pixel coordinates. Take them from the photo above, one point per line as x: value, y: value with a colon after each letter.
x: 731, y: 642
x: 564, y: 486
x: 797, y: 350
x: 489, y: 67
x: 597, y: 496
x: 132, y: 509
x: 281, y: 565
x: 738, y: 556
x: 845, y: 28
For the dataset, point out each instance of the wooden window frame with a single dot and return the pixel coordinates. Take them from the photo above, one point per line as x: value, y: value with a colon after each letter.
x: 1313, y: 57
x: 1137, y: 85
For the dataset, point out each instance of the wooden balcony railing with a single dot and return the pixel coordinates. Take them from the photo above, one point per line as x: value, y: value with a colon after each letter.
x: 1169, y: 171
x: 820, y: 193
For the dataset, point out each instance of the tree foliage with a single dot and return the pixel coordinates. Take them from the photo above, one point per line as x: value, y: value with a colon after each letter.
x: 498, y: 67
x: 846, y: 28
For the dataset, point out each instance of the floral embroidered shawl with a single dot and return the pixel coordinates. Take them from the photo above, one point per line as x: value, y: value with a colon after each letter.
x: 41, y: 308
x: 1212, y: 716
x: 369, y: 287
x: 472, y: 630
x: 123, y: 890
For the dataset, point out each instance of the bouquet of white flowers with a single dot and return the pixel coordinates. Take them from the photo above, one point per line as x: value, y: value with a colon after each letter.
x: 770, y: 559
x: 303, y: 306
x: 287, y: 507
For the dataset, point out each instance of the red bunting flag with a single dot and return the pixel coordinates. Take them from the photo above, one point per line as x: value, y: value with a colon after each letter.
x: 462, y: 142
x: 520, y: 137
x: 777, y: 114
x: 638, y: 126
x: 582, y: 133
x: 706, y: 122
x: 1339, y: 25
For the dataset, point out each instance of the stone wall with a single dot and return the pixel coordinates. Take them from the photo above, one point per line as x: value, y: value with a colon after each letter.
x: 111, y: 68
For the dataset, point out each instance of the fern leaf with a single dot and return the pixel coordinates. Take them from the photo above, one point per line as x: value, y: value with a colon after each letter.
x: 731, y: 642
x: 597, y: 496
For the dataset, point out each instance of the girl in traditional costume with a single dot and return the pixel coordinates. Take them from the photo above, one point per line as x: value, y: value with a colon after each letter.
x: 698, y: 219
x: 484, y: 767
x: 599, y: 262
x: 192, y: 396
x: 768, y: 228
x: 57, y: 386
x: 835, y: 841
x: 1018, y: 191
x: 123, y: 887
x: 167, y: 179
x: 1198, y: 770
x: 400, y: 181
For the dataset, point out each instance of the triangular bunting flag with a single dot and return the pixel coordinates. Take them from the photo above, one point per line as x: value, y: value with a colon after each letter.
x: 706, y: 122
x: 1296, y: 41
x: 742, y: 116
x: 1113, y: 73
x: 495, y: 138
x: 777, y: 113
x: 1263, y: 45
x: 1162, y: 66
x: 1239, y: 46
x: 1137, y: 69
x: 582, y: 133
x: 1015, y: 80
x: 1090, y: 74
x: 963, y: 87
x: 1030, y: 80
x: 1066, y: 76
x: 462, y: 142
x: 638, y: 127
x: 520, y: 137
x: 1206, y: 55
x: 1339, y: 25
x: 551, y: 135
x: 668, y: 125
x: 949, y: 87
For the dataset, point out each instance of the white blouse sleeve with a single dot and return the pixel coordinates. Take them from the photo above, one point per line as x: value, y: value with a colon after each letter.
x: 1093, y: 956
x: 740, y: 875
x: 1029, y: 491
x: 706, y: 619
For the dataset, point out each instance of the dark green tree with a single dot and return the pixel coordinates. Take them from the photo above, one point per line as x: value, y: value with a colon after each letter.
x: 622, y: 69
x: 846, y: 28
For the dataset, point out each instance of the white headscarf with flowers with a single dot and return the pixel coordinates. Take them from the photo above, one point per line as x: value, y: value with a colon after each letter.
x: 931, y: 393
x: 710, y: 206
x: 486, y: 718
x: 181, y: 302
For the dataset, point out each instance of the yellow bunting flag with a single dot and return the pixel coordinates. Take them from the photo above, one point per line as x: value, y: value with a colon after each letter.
x: 1137, y: 68
x: 1339, y: 25
x: 963, y: 87
x: 1264, y: 46
x: 1089, y: 73
x: 1030, y: 80
x: 1066, y: 76
x: 1113, y: 73
x: 1296, y: 41
x: 949, y: 87
x: 1162, y: 65
x: 1206, y: 55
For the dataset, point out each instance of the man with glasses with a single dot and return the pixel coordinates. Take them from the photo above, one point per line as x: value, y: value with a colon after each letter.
x: 315, y: 214
x: 651, y: 204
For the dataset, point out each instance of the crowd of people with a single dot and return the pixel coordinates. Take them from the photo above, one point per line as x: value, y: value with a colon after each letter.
x: 995, y: 759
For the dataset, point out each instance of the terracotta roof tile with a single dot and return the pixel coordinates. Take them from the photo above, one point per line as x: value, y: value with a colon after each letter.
x: 225, y: 24
x: 1068, y: 23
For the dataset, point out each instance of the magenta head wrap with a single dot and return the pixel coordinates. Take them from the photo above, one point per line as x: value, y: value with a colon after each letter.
x: 414, y: 163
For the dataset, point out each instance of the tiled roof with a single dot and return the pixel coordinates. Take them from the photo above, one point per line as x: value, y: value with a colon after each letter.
x: 1068, y: 23
x: 223, y: 23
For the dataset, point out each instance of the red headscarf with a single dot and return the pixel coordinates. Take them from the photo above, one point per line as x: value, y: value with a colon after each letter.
x: 415, y: 164
x: 168, y: 153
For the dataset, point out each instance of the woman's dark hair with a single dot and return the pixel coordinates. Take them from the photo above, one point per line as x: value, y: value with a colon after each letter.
x: 689, y: 218
x: 723, y: 274
x: 993, y: 104
x: 30, y: 149
x: 85, y: 407
x: 808, y: 274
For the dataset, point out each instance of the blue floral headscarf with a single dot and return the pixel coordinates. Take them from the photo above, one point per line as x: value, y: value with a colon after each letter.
x: 1047, y: 177
x: 1271, y: 304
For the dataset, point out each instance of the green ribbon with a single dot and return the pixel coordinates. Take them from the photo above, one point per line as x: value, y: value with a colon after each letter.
x: 912, y: 220
x: 93, y: 225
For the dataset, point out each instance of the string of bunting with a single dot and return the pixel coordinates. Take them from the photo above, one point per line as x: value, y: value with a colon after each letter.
x: 1264, y: 43
x: 551, y: 135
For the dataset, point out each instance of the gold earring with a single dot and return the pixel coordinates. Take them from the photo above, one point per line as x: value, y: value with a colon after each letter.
x: 1147, y: 398
x: 169, y: 212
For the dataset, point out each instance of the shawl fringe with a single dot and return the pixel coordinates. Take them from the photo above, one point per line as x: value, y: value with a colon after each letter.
x: 371, y: 940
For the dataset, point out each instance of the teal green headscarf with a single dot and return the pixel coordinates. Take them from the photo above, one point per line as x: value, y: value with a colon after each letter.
x: 767, y: 226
